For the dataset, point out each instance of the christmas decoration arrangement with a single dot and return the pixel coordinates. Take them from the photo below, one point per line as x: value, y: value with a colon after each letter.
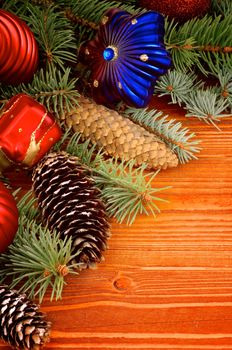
x: 76, y: 79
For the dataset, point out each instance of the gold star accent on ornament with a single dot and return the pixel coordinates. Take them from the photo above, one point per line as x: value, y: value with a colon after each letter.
x: 104, y: 19
x: 134, y: 21
x: 95, y: 83
x: 144, y: 57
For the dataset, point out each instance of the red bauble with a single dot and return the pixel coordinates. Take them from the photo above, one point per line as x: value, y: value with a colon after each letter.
x: 8, y: 218
x: 18, y: 50
x: 181, y: 10
x: 27, y: 131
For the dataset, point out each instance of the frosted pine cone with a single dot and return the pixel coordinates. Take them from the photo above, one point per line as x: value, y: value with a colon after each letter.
x: 119, y: 136
x: 70, y: 204
x: 22, y: 325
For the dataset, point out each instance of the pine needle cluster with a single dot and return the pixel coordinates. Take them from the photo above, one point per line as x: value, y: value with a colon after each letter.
x: 208, y: 103
x: 38, y: 258
x: 54, y: 88
x: 204, y: 43
x: 222, y: 7
x: 179, y: 139
x: 127, y: 191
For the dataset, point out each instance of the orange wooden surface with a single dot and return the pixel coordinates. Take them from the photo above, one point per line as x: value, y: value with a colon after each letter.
x: 165, y: 283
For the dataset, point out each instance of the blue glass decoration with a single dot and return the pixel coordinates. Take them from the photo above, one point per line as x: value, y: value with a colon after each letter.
x: 126, y: 57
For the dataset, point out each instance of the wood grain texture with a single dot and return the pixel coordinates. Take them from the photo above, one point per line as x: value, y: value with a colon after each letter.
x: 165, y: 283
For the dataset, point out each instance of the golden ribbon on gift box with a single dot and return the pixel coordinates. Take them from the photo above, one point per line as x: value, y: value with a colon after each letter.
x: 27, y: 132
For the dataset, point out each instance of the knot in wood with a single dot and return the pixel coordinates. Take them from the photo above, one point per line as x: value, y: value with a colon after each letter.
x: 122, y: 284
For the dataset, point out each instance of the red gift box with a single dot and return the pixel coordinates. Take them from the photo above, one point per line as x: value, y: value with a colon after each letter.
x: 27, y: 131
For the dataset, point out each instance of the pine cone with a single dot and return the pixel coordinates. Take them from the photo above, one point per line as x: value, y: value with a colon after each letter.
x: 70, y: 204
x: 119, y: 136
x: 22, y: 325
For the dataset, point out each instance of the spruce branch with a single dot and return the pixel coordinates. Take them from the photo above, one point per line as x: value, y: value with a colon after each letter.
x: 204, y: 43
x: 121, y: 185
x: 54, y: 88
x: 53, y: 33
x: 27, y: 206
x: 206, y: 105
x: 222, y: 7
x: 85, y: 15
x: 18, y: 7
x: 37, y: 259
x: 93, y: 10
x: 225, y: 80
x: 179, y: 139
x: 177, y: 85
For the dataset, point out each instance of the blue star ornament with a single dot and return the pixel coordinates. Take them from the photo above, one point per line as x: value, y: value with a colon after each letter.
x: 126, y: 57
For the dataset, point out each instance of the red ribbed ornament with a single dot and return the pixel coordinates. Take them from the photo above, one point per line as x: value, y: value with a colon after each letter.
x: 8, y: 218
x: 18, y: 50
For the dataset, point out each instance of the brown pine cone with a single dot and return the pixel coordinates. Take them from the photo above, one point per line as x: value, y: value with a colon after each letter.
x: 119, y: 136
x: 70, y: 204
x: 22, y: 325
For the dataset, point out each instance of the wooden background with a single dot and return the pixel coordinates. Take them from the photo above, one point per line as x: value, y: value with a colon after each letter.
x: 165, y: 283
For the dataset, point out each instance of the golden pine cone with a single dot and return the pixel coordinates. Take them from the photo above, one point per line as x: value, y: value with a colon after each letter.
x: 119, y: 136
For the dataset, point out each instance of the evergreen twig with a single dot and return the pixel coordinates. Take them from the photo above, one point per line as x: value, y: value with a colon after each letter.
x: 204, y: 43
x: 53, y: 33
x: 54, y: 88
x: 225, y: 81
x: 125, y: 190
x: 206, y: 105
x: 39, y: 259
x: 222, y: 7
x: 179, y: 139
x: 18, y: 7
x: 86, y: 14
x: 177, y: 85
x: 27, y: 206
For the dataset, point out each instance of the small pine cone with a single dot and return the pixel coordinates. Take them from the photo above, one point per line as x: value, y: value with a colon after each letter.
x: 71, y: 205
x: 119, y: 136
x: 23, y: 326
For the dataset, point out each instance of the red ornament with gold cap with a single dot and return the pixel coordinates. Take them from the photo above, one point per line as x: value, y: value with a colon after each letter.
x: 27, y: 132
x: 18, y: 50
x: 8, y: 218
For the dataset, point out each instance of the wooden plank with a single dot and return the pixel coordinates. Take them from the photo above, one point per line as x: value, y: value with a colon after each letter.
x: 165, y: 283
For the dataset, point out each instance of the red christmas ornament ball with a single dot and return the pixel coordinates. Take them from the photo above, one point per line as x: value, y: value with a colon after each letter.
x: 18, y: 50
x: 181, y: 10
x: 8, y: 218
